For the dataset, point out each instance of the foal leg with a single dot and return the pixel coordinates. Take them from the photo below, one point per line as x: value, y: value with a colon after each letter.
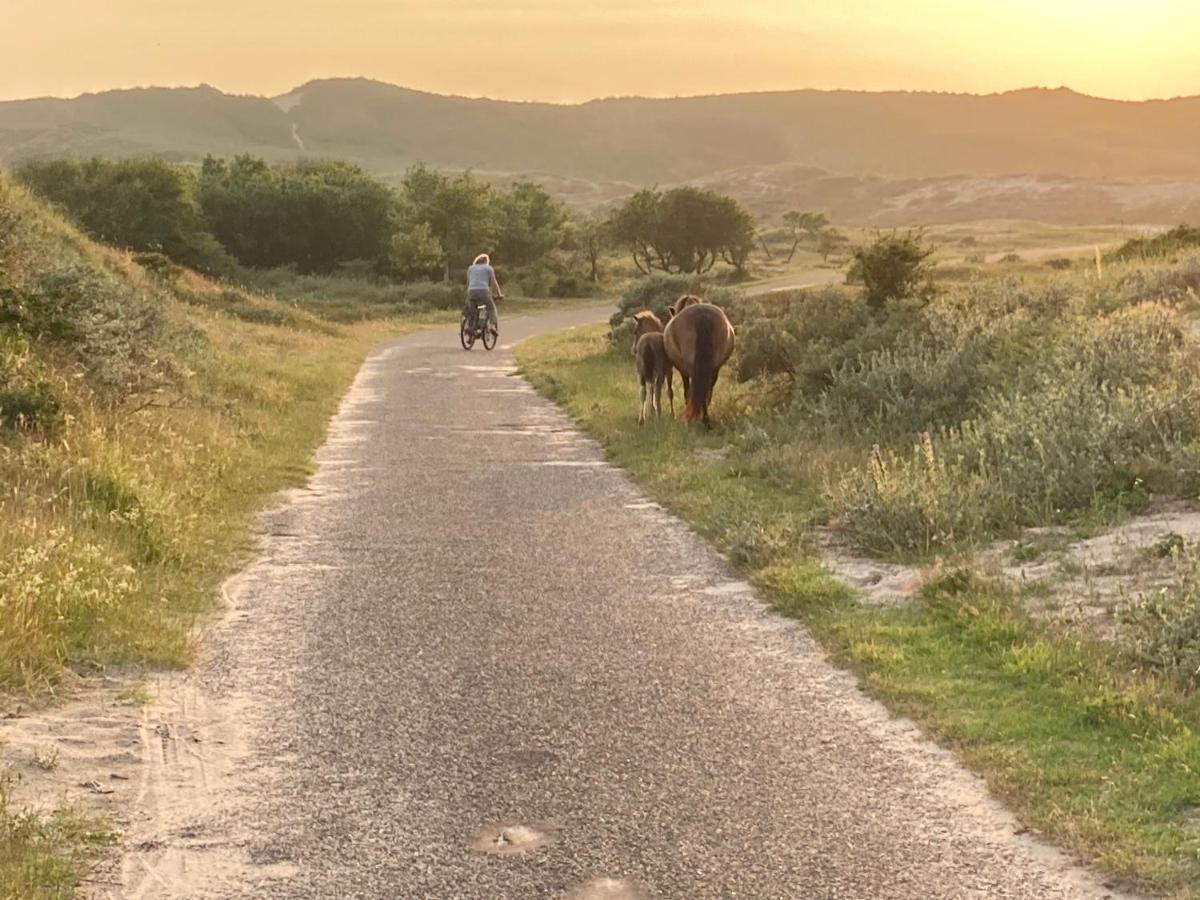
x: 642, y: 405
x: 658, y: 396
x: 671, y: 390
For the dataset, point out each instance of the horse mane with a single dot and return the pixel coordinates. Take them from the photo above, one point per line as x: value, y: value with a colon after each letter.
x: 649, y: 318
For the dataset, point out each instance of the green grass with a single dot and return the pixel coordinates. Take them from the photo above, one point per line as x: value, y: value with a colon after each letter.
x: 42, y: 855
x: 1104, y: 760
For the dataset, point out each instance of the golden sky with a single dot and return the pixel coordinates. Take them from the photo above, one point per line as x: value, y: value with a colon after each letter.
x: 570, y: 50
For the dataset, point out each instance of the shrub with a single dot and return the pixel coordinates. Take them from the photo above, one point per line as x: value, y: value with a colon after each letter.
x: 1164, y: 625
x: 1177, y: 240
x: 1170, y: 284
x: 1112, y: 402
x: 1059, y: 264
x: 159, y: 266
x: 893, y: 267
x: 902, y: 390
x: 657, y: 292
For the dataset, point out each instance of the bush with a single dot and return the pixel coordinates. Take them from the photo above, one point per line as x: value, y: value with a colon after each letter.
x: 1172, y: 284
x: 900, y: 390
x: 159, y: 266
x: 1059, y: 264
x: 893, y: 267
x: 812, y: 336
x: 1177, y: 240
x: 1165, y: 624
x: 1111, y: 404
x: 657, y: 292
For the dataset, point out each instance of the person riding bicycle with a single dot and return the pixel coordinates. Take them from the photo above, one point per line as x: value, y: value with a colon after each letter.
x: 481, y: 286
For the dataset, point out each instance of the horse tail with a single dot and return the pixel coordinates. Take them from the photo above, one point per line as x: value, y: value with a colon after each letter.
x: 704, y: 370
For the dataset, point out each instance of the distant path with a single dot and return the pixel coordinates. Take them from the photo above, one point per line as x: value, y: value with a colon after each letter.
x: 471, y: 636
x: 795, y: 281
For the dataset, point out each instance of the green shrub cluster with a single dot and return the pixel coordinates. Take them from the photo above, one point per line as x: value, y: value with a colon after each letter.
x: 1165, y: 623
x: 233, y: 218
x: 137, y: 204
x: 991, y: 406
x: 1104, y: 408
x: 1178, y: 240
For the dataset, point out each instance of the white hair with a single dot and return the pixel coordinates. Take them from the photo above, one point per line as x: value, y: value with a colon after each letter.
x: 483, y: 258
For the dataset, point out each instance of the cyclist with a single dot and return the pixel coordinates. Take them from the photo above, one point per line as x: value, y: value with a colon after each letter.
x: 482, y: 287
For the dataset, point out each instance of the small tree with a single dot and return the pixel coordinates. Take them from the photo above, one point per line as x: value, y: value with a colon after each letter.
x: 416, y: 254
x: 802, y: 224
x: 828, y: 243
x: 593, y: 239
x: 893, y: 267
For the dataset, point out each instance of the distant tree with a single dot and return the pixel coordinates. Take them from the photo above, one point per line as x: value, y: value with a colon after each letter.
x: 315, y: 216
x: 803, y: 224
x: 142, y: 204
x: 593, y: 238
x: 635, y: 225
x: 416, y: 254
x: 460, y: 213
x: 738, y: 235
x: 892, y: 267
x: 529, y: 224
x: 685, y: 229
x: 829, y: 242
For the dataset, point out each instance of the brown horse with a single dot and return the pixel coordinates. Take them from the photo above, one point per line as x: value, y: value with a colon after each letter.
x: 698, y: 340
x: 653, y: 367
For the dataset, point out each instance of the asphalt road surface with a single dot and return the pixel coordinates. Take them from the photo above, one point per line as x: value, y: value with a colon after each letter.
x: 475, y: 662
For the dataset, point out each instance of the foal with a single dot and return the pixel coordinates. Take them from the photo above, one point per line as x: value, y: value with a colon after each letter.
x: 653, y: 367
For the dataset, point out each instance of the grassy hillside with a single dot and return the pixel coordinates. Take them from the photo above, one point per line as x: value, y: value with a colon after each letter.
x: 862, y: 149
x: 143, y: 420
x: 144, y: 416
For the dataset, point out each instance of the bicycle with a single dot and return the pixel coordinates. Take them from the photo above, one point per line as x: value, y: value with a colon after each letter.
x: 474, y: 327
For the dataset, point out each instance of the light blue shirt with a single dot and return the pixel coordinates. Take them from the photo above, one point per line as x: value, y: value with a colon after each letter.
x: 479, y: 278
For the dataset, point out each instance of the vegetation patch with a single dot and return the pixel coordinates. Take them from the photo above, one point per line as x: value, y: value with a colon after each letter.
x: 923, y: 428
x: 43, y: 855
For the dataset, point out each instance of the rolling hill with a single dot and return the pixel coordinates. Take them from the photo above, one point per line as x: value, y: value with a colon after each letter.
x: 869, y: 156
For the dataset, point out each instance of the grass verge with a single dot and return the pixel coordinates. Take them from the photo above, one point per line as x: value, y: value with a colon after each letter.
x: 41, y: 855
x: 1103, y: 759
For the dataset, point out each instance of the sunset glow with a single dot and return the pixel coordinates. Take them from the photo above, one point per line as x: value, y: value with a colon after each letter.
x: 571, y: 50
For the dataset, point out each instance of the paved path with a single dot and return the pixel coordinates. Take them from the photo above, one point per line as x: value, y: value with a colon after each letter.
x: 471, y: 636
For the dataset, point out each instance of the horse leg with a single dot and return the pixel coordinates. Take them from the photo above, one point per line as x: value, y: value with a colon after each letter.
x: 687, y: 385
x: 642, y: 405
x: 658, y: 385
x: 671, y: 390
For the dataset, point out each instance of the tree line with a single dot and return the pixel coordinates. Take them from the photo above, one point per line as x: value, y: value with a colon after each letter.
x: 325, y: 216
x: 315, y: 216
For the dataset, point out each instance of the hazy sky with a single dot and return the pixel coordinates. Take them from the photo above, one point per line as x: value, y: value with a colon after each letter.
x: 567, y: 50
